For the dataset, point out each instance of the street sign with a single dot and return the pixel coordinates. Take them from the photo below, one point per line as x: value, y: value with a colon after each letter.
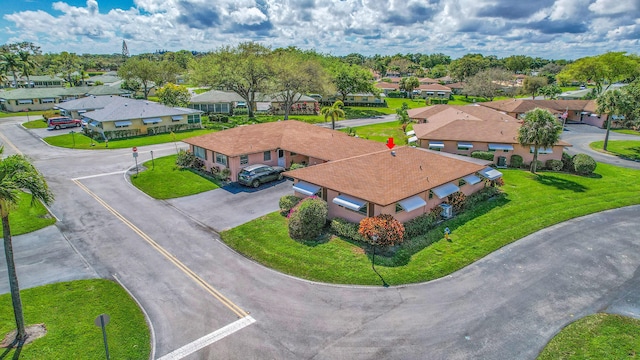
x: 135, y: 149
x: 135, y: 154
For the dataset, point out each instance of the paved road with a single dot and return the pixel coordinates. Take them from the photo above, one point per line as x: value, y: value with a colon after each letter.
x: 580, y: 136
x: 505, y: 306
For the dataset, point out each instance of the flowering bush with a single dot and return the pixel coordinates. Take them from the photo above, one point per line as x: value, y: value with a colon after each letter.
x: 287, y: 203
x: 456, y: 200
x: 307, y: 219
x: 389, y: 230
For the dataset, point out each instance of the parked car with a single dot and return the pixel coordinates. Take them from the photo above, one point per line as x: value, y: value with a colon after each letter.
x: 254, y: 175
x: 60, y: 122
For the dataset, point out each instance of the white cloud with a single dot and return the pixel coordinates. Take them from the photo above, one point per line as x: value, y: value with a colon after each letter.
x: 248, y: 16
x: 611, y: 7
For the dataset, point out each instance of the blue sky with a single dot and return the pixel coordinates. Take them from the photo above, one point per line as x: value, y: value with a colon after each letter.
x: 552, y: 29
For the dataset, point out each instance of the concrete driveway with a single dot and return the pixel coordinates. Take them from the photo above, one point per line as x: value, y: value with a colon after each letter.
x: 581, y: 135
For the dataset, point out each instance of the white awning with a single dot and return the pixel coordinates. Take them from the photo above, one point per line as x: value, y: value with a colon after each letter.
x: 445, y: 190
x: 176, y: 117
x: 465, y: 145
x: 440, y: 92
x: 584, y: 112
x: 412, y: 203
x: 94, y: 123
x: 436, y: 144
x: 413, y: 139
x: 500, y: 147
x: 349, y: 202
x: 305, y: 188
x: 123, y: 123
x: 471, y: 179
x: 48, y: 100
x: 543, y: 150
x: 82, y: 111
x: 25, y: 101
x: 411, y: 133
x: 151, y: 121
x: 490, y: 173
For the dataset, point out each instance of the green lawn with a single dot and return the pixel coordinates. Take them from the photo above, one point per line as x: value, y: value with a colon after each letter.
x: 4, y: 114
x: 66, y: 140
x: 629, y: 149
x: 382, y: 132
x: 627, y: 131
x: 26, y: 218
x: 165, y: 180
x: 599, y: 336
x: 68, y: 310
x: 35, y: 124
x: 532, y: 202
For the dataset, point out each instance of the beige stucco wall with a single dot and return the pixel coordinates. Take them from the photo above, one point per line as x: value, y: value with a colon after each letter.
x: 144, y: 128
x: 13, y: 106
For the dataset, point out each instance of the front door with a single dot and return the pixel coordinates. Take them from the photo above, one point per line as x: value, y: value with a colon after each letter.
x: 280, y: 157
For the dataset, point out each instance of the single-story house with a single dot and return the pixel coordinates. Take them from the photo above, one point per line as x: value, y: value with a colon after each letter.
x: 433, y: 91
x: 456, y: 87
x: 578, y: 111
x: 215, y: 101
x: 405, y: 183
x: 280, y: 143
x: 463, y: 129
x: 387, y: 87
x: 108, y: 78
x: 360, y: 99
x: 34, y: 81
x: 274, y: 104
x: 427, y: 80
x: 48, y: 98
x: 78, y: 107
x: 139, y: 117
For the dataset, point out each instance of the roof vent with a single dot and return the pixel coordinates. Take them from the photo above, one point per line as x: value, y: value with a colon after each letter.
x: 125, y: 104
x: 393, y: 153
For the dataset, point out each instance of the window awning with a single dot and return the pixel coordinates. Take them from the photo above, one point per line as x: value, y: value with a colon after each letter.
x: 500, y: 147
x: 82, y: 111
x: 436, y: 144
x: 411, y: 133
x: 471, y: 179
x: 584, y: 112
x: 25, y: 101
x: 445, y: 190
x: 412, y: 203
x: 617, y: 117
x: 490, y: 173
x: 543, y: 150
x: 440, y: 92
x: 176, y: 117
x: 151, y: 121
x: 95, y: 123
x: 123, y: 123
x: 349, y: 202
x: 305, y: 188
x: 49, y: 99
x: 465, y: 145
x: 413, y: 139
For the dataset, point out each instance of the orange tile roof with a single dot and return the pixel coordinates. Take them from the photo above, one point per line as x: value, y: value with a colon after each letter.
x: 434, y: 87
x: 385, y: 179
x: 387, y: 85
x: 291, y: 135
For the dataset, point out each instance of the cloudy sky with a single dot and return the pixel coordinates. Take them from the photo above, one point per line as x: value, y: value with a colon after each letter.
x: 552, y: 29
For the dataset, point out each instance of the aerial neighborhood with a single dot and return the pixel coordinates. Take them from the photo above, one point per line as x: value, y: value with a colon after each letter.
x: 301, y: 204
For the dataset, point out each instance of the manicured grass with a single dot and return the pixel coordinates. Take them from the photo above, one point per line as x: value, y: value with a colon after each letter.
x: 35, y: 124
x: 395, y: 103
x: 532, y: 202
x: 26, y: 218
x: 66, y: 140
x: 599, y: 336
x: 68, y: 310
x: 627, y: 131
x: 382, y: 132
x: 165, y: 180
x: 629, y: 149
x: 4, y: 114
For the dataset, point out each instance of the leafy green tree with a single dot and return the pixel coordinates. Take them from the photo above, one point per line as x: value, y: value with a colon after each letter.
x: 438, y: 71
x: 488, y: 83
x: 621, y: 102
x: 467, y: 66
x: 167, y: 72
x: 334, y: 111
x: 403, y: 116
x: 350, y: 79
x: 518, y: 63
x: 67, y: 64
x: 408, y: 84
x: 550, y: 91
x: 603, y: 69
x: 174, y: 95
x: 539, y: 129
x: 143, y: 71
x: 16, y: 175
x: 533, y: 84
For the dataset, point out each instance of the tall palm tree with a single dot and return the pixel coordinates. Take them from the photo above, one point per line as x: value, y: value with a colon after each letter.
x: 335, y: 111
x: 27, y: 65
x: 10, y: 63
x: 608, y: 102
x: 16, y: 175
x: 403, y: 116
x: 540, y: 129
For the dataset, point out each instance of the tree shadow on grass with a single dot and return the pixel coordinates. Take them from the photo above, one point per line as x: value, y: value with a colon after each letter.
x: 560, y: 184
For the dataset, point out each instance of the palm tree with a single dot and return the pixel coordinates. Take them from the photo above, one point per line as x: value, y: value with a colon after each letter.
x: 403, y: 116
x: 27, y: 64
x: 408, y: 84
x: 608, y: 102
x: 334, y: 111
x: 10, y: 63
x: 540, y: 129
x: 18, y: 174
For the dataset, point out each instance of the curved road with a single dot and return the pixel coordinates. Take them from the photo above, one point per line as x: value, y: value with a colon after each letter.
x: 580, y: 136
x: 505, y: 306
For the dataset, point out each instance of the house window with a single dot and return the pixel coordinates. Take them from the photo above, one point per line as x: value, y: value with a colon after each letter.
x: 244, y: 159
x: 200, y: 153
x: 193, y: 119
x: 221, y: 159
x: 461, y: 182
x: 463, y: 148
x: 430, y: 194
x: 364, y: 98
x: 292, y: 153
x: 399, y: 208
x: 364, y: 210
x: 267, y: 156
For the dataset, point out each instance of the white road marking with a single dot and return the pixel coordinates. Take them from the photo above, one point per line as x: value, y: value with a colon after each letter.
x: 99, y: 175
x: 209, y: 339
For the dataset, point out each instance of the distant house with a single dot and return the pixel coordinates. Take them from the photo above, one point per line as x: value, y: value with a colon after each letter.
x: 78, y: 107
x: 387, y: 87
x: 433, y: 90
x: 109, y: 78
x: 48, y: 98
x: 215, y: 101
x: 579, y: 111
x: 462, y: 130
x: 456, y: 88
x: 360, y: 99
x: 274, y: 103
x: 427, y: 81
x: 132, y: 117
x: 34, y: 81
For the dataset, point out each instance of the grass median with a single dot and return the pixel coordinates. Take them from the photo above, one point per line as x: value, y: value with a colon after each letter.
x: 26, y: 218
x: 628, y: 149
x: 532, y: 202
x: 68, y: 311
x: 77, y: 140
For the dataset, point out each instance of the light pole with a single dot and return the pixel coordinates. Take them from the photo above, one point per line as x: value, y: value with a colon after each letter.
x: 73, y: 136
x: 374, y: 237
x: 153, y: 164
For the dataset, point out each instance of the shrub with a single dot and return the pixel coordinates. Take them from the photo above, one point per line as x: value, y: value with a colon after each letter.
x: 287, y: 203
x: 567, y: 162
x: 456, y: 200
x: 307, y: 219
x: 224, y: 174
x: 49, y: 114
x: 420, y: 225
x: 240, y: 111
x: 186, y: 159
x: 296, y: 166
x: 583, y: 164
x: 539, y: 165
x: 389, y: 230
x: 395, y: 94
x: 346, y: 229
x: 481, y: 196
x: 484, y: 155
x: 553, y: 164
x: 516, y: 161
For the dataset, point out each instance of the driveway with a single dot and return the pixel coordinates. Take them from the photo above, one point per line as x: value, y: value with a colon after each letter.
x: 581, y: 135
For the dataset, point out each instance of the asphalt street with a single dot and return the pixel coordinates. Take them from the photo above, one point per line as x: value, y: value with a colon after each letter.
x: 167, y: 253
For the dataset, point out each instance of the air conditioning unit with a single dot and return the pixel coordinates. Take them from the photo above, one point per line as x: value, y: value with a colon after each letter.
x: 447, y: 211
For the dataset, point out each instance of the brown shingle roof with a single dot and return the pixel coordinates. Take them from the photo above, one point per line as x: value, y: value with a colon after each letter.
x: 291, y: 135
x: 433, y: 87
x: 387, y: 85
x: 520, y: 106
x: 385, y: 179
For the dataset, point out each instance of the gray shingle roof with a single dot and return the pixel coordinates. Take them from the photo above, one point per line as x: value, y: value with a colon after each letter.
x: 216, y: 96
x: 39, y: 93
x: 135, y: 109
x: 92, y: 102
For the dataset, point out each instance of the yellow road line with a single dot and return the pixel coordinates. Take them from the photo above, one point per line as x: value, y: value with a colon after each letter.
x: 226, y: 302
x: 10, y: 144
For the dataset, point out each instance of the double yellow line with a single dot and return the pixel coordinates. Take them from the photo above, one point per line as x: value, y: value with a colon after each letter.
x: 226, y: 302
